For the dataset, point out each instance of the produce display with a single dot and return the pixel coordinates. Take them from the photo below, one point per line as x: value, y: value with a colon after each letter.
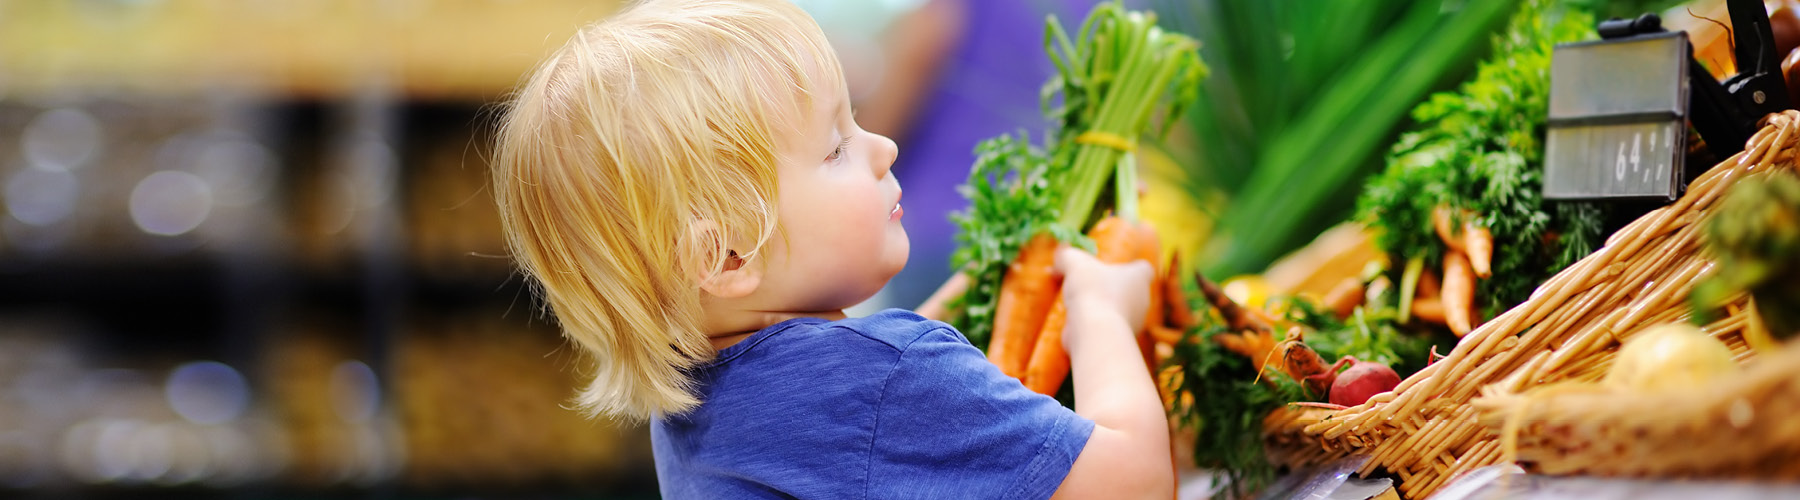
x: 1430, y: 428
x: 1463, y: 194
x: 1480, y: 150
x: 1531, y: 299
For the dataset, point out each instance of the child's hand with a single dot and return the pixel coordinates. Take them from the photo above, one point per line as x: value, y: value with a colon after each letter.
x: 1097, y: 287
x: 1129, y: 449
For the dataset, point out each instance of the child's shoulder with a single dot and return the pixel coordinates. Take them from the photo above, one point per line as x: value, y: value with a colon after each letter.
x: 898, y: 328
x: 884, y: 334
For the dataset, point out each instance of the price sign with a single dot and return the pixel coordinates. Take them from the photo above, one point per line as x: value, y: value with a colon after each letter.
x: 1618, y: 126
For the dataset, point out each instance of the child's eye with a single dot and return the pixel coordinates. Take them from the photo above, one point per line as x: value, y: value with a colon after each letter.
x: 838, y: 154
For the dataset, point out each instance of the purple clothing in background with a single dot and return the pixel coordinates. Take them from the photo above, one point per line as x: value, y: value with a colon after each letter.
x: 988, y: 86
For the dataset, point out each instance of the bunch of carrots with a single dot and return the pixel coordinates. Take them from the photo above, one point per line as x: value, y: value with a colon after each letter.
x: 1028, y: 329
x: 1446, y: 299
x: 1468, y: 256
x: 1111, y: 79
x: 1028, y: 326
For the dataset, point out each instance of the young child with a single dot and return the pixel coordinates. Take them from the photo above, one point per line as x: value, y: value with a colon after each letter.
x: 686, y: 185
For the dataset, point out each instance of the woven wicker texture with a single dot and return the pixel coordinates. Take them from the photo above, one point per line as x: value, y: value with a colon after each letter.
x: 1740, y: 426
x: 1426, y: 432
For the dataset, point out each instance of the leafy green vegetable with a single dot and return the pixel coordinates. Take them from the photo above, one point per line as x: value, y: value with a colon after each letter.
x: 1227, y: 407
x: 1010, y: 200
x: 1755, y: 236
x: 1371, y: 333
x: 1481, y: 149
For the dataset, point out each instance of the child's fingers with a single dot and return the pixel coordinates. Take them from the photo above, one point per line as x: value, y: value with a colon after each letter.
x: 1140, y: 269
x: 1069, y: 258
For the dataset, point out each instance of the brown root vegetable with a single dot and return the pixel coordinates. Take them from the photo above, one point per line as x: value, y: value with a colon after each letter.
x: 1302, y: 363
x: 1254, y: 346
x: 1176, y: 312
x: 1236, y: 317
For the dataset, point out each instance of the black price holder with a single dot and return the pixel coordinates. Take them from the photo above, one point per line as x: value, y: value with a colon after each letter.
x: 1620, y: 107
x: 1617, y: 121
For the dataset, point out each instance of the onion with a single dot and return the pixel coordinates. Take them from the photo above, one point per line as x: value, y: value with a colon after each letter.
x: 1669, y: 356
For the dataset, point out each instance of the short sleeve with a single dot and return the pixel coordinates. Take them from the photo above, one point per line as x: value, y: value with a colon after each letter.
x: 950, y: 425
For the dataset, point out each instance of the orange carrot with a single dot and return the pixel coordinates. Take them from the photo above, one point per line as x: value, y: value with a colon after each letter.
x: 1343, y: 298
x: 1026, y: 294
x: 1116, y: 241
x: 1480, y: 245
x: 1443, y: 221
x: 1429, y: 309
x: 1049, y: 364
x: 1428, y: 285
x: 1473, y: 241
x: 1459, y: 293
x: 1164, y: 335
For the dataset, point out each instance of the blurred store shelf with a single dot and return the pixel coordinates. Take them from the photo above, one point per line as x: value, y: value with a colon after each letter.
x: 436, y: 49
x: 282, y: 292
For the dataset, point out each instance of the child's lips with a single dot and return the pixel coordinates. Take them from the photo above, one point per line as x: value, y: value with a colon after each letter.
x: 897, y: 211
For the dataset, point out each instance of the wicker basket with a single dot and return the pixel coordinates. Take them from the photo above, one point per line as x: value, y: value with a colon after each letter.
x: 1739, y: 427
x: 1426, y: 432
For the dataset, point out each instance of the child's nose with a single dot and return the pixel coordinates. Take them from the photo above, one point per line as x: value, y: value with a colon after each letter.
x: 885, y: 152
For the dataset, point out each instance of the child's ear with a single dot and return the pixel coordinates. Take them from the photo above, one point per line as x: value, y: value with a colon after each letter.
x: 736, y: 278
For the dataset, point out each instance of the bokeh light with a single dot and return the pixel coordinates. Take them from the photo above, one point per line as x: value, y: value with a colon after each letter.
x: 171, y: 202
x: 207, y: 392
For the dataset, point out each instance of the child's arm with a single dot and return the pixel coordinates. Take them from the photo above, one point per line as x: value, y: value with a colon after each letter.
x: 937, y: 306
x: 1127, y: 456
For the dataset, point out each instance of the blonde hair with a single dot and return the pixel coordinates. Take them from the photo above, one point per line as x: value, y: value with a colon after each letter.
x: 640, y: 126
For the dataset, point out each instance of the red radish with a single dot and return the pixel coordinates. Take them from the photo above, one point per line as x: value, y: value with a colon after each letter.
x: 1362, y: 381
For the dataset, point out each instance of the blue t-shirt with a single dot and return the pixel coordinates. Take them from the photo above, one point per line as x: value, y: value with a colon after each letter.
x: 886, y: 406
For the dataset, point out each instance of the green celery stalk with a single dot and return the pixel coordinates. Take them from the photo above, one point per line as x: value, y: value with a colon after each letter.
x: 1311, y: 162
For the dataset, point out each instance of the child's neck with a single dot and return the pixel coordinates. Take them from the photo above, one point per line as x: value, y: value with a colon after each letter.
x: 727, y: 328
